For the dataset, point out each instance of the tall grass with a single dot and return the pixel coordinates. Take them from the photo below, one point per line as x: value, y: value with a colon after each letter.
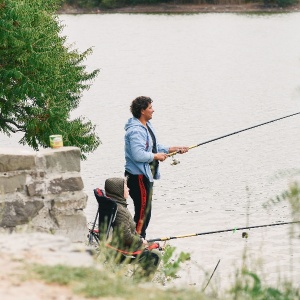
x: 119, y: 281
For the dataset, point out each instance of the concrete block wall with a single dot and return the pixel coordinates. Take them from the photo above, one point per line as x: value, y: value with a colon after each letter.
x: 42, y: 191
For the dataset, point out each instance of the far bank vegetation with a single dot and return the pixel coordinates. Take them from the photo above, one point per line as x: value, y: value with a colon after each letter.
x: 122, y: 3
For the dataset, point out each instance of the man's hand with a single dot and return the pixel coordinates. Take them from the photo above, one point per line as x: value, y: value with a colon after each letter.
x: 160, y: 156
x: 182, y: 150
x: 179, y: 149
x: 145, y: 243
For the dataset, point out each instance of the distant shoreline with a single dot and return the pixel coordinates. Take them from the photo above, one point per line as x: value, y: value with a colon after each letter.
x: 183, y: 8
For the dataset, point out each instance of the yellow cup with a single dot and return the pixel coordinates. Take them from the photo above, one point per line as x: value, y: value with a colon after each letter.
x: 56, y: 141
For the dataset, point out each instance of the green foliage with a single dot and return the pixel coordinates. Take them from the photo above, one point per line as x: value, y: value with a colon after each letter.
x: 42, y: 78
x: 83, y: 3
x: 249, y: 286
x: 120, y: 3
x: 280, y: 3
x: 285, y: 3
x: 110, y: 3
x: 88, y: 281
x: 61, y: 274
x: 97, y: 283
x: 292, y: 195
x: 171, y: 263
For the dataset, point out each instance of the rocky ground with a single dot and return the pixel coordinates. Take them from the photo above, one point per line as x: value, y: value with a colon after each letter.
x: 184, y: 8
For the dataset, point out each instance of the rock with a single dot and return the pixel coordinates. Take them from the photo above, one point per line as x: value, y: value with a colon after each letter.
x: 42, y: 192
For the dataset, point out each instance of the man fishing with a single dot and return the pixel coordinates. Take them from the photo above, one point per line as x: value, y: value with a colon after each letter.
x: 142, y: 156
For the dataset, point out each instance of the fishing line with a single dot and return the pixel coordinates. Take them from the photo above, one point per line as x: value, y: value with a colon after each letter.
x: 175, y: 162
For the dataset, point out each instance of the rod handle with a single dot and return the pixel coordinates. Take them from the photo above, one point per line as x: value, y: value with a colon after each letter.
x: 158, y: 239
x: 175, y: 152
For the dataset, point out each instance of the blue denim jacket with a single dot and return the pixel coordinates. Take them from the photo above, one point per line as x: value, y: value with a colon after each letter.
x: 138, y: 149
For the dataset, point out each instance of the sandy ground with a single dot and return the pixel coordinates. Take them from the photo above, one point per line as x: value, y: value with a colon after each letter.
x: 183, y: 8
x: 19, y: 250
x: 14, y: 286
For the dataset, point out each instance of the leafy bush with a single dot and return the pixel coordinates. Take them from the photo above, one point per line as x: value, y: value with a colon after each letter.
x: 249, y: 286
x: 42, y: 77
x: 171, y: 263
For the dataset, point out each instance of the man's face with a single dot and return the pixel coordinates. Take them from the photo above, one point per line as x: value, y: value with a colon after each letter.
x: 147, y: 113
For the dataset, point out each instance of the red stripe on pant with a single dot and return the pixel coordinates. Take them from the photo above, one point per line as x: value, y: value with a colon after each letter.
x: 143, y: 197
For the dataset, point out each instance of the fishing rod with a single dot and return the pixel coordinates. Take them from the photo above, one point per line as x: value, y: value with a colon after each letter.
x: 245, y: 235
x: 226, y: 135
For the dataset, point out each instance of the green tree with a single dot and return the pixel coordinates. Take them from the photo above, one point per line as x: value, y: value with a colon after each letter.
x: 41, y: 77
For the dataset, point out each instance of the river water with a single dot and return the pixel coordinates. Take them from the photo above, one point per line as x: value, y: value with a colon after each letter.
x: 209, y: 75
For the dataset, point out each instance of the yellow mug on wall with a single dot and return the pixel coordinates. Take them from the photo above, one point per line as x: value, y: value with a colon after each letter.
x: 56, y: 141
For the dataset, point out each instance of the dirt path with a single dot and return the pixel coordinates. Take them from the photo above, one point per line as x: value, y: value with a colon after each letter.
x: 13, y: 284
x: 19, y: 250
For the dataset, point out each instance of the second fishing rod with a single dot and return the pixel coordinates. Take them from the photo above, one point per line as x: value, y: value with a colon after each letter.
x: 175, y: 162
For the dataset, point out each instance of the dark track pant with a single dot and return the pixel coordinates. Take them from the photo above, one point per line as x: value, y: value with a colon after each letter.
x: 140, y: 190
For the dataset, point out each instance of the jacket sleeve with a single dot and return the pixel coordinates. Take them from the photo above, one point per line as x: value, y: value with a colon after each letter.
x: 138, y: 146
x: 162, y: 148
x: 125, y: 227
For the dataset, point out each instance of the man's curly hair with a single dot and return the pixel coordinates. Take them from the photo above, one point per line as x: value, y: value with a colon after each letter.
x: 138, y: 104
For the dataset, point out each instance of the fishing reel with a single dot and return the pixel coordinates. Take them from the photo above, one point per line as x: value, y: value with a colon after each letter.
x: 174, y: 161
x: 245, y: 235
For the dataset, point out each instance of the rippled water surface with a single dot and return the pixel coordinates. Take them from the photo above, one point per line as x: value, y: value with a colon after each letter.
x: 209, y: 75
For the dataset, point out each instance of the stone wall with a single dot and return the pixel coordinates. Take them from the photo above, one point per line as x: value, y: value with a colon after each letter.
x: 42, y: 191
